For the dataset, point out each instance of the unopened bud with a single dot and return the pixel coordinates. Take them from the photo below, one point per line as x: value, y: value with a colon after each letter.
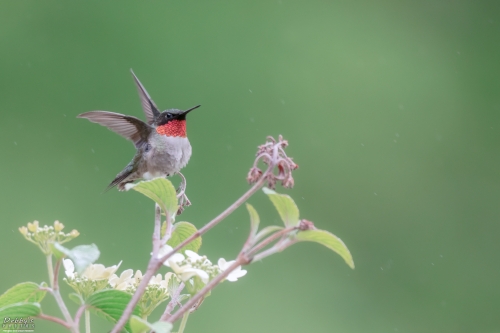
x: 33, y: 227
x: 74, y: 233
x: 23, y: 230
x: 306, y: 225
x: 58, y: 226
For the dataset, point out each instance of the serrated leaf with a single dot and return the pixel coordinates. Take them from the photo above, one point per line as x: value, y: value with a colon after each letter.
x: 20, y: 310
x: 329, y: 240
x: 161, y: 191
x: 23, y: 292
x: 266, y: 231
x: 180, y: 232
x: 286, y: 207
x: 110, y: 304
x: 254, y: 220
x: 139, y: 325
x: 81, y: 255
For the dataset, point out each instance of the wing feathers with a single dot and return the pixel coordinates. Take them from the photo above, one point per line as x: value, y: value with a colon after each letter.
x: 149, y: 107
x: 129, y: 127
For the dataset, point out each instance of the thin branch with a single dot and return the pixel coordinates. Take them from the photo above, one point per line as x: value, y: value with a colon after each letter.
x: 54, y: 319
x: 208, y: 287
x: 79, y: 313
x: 152, y: 268
x: 174, y: 299
x: 277, y: 248
x: 50, y: 269
x: 183, y: 322
x: 156, y: 232
x: 55, y: 283
x: 168, y: 229
x: 269, y: 240
x: 64, y: 310
x: 54, y: 275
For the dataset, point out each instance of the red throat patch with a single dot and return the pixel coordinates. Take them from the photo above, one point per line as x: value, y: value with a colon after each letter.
x: 173, y: 128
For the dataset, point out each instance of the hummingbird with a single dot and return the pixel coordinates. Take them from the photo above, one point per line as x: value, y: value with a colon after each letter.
x: 162, y: 146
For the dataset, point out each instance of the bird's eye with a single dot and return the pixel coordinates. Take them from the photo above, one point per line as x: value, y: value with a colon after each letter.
x: 147, y: 148
x: 169, y: 115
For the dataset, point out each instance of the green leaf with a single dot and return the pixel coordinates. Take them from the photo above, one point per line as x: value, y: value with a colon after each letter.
x: 110, y: 304
x: 329, y: 240
x: 254, y: 220
x: 180, y: 232
x: 139, y: 325
x: 81, y: 255
x: 56, y: 250
x: 267, y: 230
x: 285, y: 206
x: 20, y: 310
x: 76, y: 298
x: 22, y: 292
x: 161, y: 191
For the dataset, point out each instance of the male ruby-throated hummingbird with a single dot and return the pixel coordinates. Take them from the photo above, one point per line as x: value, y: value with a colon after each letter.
x: 163, y: 148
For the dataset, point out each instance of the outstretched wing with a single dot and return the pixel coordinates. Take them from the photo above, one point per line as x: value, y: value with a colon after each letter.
x: 129, y: 127
x: 148, y: 105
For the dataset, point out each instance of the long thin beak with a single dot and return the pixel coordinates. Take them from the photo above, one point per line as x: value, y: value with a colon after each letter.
x: 189, y: 110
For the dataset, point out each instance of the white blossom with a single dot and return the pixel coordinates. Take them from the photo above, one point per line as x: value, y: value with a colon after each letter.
x: 186, y: 272
x: 99, y: 272
x: 164, y: 249
x: 196, y: 257
x: 69, y: 268
x: 235, y: 274
x: 122, y: 282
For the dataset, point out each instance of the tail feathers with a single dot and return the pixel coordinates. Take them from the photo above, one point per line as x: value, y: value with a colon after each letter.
x: 120, y: 178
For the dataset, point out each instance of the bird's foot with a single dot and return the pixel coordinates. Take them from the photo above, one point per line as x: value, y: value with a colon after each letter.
x: 181, y: 194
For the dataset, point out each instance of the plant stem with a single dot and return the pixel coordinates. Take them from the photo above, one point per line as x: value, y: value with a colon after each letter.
x: 269, y: 240
x: 210, y: 285
x: 87, y: 321
x: 156, y: 232
x: 64, y: 310
x: 174, y: 299
x: 153, y: 266
x: 55, y: 283
x: 79, y: 313
x: 53, y: 278
x: 54, y: 319
x: 276, y: 248
x: 51, y: 270
x: 183, y: 322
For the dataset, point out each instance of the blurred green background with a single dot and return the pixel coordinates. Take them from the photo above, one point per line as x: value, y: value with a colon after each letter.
x: 391, y: 108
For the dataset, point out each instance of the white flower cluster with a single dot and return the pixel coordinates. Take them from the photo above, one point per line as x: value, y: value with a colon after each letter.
x: 44, y: 236
x: 97, y: 277
x: 194, y: 270
x: 94, y: 278
x: 193, y: 265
